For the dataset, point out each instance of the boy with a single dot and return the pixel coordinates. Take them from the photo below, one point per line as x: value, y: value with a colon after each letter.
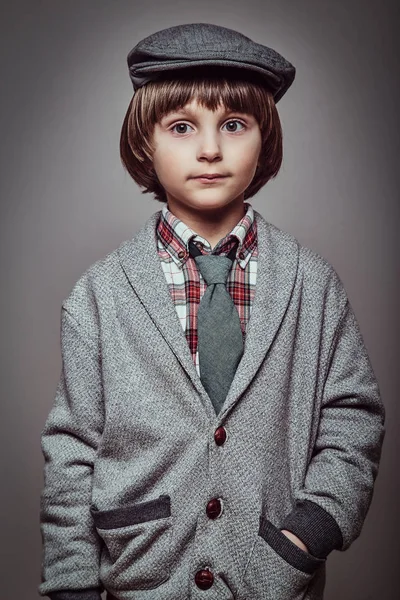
x: 217, y: 427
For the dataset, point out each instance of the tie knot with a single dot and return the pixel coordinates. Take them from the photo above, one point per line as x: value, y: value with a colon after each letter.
x: 214, y: 268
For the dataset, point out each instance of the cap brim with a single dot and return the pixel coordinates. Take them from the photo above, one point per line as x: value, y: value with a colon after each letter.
x: 279, y: 84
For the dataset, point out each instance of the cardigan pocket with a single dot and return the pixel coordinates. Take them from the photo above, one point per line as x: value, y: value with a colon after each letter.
x: 277, y: 568
x: 137, y: 544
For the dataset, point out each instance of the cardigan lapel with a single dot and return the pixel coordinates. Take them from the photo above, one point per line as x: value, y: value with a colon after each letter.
x: 141, y: 263
x: 277, y: 264
x: 276, y: 275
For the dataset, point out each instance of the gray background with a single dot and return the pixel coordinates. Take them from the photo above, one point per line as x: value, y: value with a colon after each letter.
x: 66, y: 202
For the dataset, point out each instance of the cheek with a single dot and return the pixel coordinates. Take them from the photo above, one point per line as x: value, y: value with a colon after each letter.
x: 246, y: 163
x: 168, y: 162
x: 170, y: 171
x: 246, y: 155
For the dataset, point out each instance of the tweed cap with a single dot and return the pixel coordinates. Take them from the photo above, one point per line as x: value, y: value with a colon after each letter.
x: 202, y: 45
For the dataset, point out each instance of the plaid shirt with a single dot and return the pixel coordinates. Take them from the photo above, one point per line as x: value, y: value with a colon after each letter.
x: 185, y: 282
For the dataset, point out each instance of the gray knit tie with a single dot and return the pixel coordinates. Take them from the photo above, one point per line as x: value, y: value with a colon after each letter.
x: 220, y: 338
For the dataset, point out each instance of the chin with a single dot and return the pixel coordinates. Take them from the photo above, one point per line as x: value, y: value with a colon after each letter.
x: 212, y: 203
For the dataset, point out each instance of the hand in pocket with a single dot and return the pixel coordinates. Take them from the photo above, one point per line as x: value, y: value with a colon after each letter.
x: 295, y: 539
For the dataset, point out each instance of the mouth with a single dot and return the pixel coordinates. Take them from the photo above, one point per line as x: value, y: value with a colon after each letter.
x: 209, y: 179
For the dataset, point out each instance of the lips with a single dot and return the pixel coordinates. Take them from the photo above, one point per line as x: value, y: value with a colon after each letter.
x: 206, y: 180
x: 205, y: 176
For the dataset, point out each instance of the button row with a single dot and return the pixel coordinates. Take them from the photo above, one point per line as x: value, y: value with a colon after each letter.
x: 204, y: 578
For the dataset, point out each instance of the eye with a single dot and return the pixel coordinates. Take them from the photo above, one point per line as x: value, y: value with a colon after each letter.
x: 180, y: 125
x: 232, y: 121
x: 235, y: 121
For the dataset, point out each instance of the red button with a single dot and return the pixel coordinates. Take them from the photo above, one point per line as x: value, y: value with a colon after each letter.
x: 220, y: 436
x: 241, y: 255
x: 204, y: 579
x: 181, y: 253
x: 214, y: 508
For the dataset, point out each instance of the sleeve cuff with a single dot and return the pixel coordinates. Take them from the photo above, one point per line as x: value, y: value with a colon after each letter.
x: 316, y: 528
x: 88, y: 594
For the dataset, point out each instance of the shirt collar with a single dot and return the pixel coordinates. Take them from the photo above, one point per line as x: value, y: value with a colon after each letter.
x: 175, y: 235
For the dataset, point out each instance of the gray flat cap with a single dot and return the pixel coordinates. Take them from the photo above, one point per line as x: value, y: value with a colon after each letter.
x: 205, y: 44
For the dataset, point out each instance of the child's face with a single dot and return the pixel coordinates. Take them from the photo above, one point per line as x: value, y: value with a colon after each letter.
x: 188, y: 145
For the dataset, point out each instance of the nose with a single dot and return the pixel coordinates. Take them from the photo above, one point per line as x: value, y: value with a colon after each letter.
x: 209, y: 146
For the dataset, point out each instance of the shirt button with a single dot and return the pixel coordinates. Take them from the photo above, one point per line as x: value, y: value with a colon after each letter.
x: 241, y: 255
x: 220, y: 435
x: 204, y: 579
x: 181, y: 253
x: 214, y: 508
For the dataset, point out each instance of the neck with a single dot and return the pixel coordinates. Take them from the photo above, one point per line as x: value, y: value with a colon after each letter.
x: 213, y: 224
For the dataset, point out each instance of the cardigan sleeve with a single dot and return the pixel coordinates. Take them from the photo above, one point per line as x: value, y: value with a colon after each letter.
x: 71, y: 545
x: 330, y: 509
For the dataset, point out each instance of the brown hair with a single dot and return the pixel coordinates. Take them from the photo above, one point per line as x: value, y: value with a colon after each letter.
x: 211, y: 87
